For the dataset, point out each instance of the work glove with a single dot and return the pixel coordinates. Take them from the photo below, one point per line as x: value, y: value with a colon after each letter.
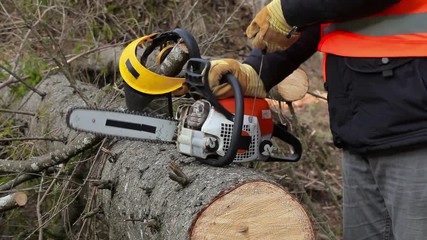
x: 249, y: 79
x: 269, y: 30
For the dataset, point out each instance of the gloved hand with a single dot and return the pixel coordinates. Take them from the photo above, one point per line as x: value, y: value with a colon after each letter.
x: 269, y: 30
x: 249, y: 79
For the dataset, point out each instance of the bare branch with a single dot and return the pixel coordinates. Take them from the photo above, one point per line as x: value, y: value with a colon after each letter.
x: 41, y: 94
x: 317, y: 95
x: 32, y: 139
x: 16, y: 181
x: 8, y: 82
x: 92, y: 213
x: 41, y: 163
x: 61, y: 62
x: 17, y: 112
x: 178, y: 175
x: 104, y: 184
x: 238, y: 8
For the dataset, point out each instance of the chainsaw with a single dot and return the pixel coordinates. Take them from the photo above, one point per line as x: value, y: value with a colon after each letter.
x: 218, y: 132
x: 215, y: 131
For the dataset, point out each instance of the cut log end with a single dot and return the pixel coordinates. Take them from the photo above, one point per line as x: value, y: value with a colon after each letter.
x: 20, y: 199
x: 14, y: 200
x: 292, y: 88
x: 254, y: 210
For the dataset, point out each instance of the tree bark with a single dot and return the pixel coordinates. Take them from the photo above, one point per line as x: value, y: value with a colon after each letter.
x: 237, y: 202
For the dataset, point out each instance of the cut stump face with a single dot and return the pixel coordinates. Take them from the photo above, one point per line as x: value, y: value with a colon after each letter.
x: 253, y: 210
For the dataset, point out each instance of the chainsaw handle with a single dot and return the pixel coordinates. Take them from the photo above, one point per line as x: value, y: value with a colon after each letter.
x: 281, y: 132
x: 196, y: 77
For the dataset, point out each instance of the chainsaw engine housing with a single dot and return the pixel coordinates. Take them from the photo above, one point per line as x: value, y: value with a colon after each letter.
x: 207, y: 133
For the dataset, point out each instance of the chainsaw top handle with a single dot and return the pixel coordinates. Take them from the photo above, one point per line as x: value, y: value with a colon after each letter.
x: 196, y: 76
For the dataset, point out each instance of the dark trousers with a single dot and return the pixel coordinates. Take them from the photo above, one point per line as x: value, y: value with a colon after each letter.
x: 385, y: 195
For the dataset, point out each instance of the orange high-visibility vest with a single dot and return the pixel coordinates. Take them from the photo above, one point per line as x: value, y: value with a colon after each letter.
x: 399, y: 31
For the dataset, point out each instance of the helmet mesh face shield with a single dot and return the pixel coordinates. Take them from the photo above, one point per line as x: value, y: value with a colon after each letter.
x: 138, y: 77
x: 143, y: 80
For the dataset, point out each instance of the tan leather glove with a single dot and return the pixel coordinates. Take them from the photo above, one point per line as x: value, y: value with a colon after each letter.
x: 249, y: 79
x: 269, y: 30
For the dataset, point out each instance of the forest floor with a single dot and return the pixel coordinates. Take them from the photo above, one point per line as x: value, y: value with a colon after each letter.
x: 66, y: 30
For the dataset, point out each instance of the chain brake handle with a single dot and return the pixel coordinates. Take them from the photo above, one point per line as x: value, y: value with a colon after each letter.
x: 196, y: 76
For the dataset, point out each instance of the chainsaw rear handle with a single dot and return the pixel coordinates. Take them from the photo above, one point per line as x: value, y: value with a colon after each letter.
x: 281, y: 132
x: 197, y: 78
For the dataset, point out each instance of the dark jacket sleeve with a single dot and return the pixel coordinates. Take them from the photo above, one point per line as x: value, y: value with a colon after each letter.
x: 302, y: 13
x: 276, y: 66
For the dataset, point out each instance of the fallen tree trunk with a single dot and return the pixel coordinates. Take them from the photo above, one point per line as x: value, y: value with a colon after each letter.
x: 217, y: 203
x: 201, y: 202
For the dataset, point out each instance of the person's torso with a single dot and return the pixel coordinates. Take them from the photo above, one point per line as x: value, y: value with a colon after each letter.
x: 399, y: 31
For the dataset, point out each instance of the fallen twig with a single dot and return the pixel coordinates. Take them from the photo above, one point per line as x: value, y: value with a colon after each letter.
x: 32, y: 139
x: 8, y: 82
x: 92, y: 213
x: 41, y: 163
x: 16, y: 112
x: 334, y: 179
x: 317, y: 95
x: 104, y: 184
x: 41, y: 94
x: 178, y: 175
x: 16, y: 181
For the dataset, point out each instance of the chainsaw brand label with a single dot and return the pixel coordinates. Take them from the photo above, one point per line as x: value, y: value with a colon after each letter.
x: 266, y: 114
x: 266, y: 148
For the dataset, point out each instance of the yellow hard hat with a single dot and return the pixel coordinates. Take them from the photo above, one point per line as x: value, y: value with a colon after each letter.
x: 138, y: 77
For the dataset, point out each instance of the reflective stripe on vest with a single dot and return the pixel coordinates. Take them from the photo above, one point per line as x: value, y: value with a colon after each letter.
x: 383, y: 25
x: 400, y: 31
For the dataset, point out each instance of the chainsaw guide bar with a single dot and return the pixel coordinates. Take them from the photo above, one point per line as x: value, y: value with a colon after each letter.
x: 122, y: 124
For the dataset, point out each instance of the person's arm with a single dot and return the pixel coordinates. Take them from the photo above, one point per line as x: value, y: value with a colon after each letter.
x: 302, y: 13
x: 307, y: 15
x: 278, y: 65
